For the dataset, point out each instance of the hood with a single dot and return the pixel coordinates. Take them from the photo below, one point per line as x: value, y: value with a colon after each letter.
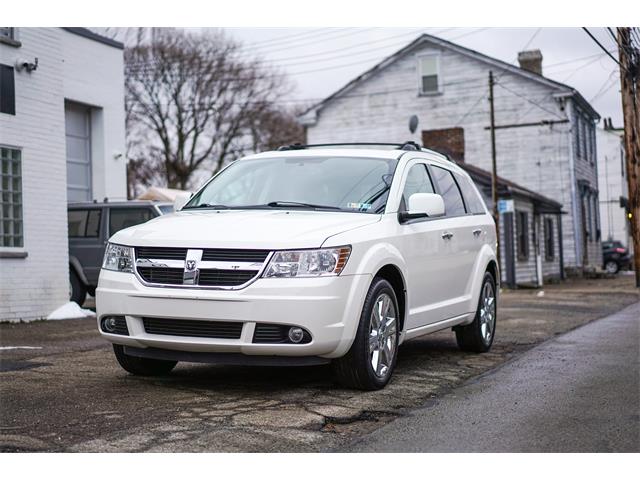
x: 263, y: 229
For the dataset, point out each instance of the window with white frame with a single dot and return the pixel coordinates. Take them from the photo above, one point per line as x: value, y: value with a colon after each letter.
x: 429, y: 69
x: 11, y: 233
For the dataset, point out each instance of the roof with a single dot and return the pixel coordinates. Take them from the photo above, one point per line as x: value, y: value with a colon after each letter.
x: 332, y: 152
x: 86, y: 33
x: 508, y: 188
x: 426, y: 38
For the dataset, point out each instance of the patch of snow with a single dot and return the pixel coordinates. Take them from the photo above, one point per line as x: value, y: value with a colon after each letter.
x: 21, y: 348
x: 70, y: 310
x: 540, y: 293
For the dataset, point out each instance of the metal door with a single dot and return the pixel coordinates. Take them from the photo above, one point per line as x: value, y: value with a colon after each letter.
x: 78, y: 139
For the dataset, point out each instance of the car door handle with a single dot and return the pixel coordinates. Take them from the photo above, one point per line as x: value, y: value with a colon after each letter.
x: 447, y: 235
x: 477, y: 232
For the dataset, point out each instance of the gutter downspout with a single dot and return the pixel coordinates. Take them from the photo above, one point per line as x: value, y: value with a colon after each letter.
x: 572, y: 176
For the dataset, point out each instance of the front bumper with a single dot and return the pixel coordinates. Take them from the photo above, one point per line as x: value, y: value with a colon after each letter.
x: 327, y: 307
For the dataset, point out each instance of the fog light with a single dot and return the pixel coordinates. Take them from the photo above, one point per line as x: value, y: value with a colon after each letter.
x: 296, y: 334
x: 110, y: 324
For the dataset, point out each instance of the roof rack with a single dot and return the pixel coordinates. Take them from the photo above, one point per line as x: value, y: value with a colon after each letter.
x: 410, y: 146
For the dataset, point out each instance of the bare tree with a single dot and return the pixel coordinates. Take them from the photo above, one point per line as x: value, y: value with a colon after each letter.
x: 275, y: 127
x: 193, y: 102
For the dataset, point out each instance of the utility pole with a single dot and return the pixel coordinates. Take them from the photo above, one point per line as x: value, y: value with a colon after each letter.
x: 629, y: 59
x: 494, y: 168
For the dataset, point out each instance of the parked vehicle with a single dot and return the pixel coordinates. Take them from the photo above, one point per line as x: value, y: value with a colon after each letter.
x: 615, y: 256
x: 90, y: 226
x: 305, y: 256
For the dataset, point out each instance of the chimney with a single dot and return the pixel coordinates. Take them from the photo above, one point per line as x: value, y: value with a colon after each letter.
x: 531, y: 60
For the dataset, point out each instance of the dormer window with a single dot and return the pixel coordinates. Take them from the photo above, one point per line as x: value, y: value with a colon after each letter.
x: 429, y: 71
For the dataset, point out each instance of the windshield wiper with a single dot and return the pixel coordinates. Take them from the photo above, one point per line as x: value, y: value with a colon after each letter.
x: 207, y: 205
x: 301, y: 205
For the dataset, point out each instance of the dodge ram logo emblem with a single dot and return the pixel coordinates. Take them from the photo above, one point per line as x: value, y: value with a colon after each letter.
x: 190, y: 265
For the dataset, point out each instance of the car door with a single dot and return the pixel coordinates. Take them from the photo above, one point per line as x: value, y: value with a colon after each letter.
x: 425, y: 253
x: 477, y: 225
x: 85, y: 240
x: 456, y: 231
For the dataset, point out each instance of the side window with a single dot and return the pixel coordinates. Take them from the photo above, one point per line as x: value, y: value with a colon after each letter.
x: 522, y: 234
x: 84, y: 223
x: 121, y: 218
x: 474, y: 203
x: 418, y: 181
x: 453, y: 203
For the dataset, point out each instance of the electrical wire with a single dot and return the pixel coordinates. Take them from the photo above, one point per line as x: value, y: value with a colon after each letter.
x: 600, y: 45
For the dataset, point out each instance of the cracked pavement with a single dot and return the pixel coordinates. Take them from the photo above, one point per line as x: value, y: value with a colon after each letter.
x: 70, y: 394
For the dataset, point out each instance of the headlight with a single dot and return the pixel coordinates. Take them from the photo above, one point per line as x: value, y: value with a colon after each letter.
x: 308, y: 263
x: 118, y: 258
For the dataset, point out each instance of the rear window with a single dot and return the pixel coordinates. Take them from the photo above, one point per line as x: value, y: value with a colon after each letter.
x: 450, y: 192
x: 474, y: 202
x: 84, y: 223
x: 120, y: 218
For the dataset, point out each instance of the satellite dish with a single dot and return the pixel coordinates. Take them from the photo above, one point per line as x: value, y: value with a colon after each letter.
x: 413, y: 123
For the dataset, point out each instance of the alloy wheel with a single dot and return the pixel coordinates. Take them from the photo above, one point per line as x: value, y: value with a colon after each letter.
x: 487, y: 312
x: 383, y: 334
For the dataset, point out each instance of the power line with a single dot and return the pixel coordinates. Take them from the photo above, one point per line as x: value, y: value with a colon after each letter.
x: 288, y: 37
x: 600, y: 45
x: 528, y: 100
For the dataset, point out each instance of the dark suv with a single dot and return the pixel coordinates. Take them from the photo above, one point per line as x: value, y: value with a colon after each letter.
x: 90, y: 226
x: 615, y: 256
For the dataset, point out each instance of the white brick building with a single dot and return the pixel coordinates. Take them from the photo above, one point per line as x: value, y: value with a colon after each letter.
x: 613, y: 185
x: 545, y: 141
x: 62, y: 138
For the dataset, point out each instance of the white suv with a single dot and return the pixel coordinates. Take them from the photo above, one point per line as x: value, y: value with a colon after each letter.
x: 304, y: 256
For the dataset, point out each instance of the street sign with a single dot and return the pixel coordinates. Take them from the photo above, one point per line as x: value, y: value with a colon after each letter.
x: 505, y: 206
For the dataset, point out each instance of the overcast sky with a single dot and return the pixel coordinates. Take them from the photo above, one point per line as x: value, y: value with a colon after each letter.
x: 321, y: 60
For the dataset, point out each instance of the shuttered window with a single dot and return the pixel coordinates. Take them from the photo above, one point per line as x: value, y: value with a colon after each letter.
x: 522, y: 234
x: 7, y: 90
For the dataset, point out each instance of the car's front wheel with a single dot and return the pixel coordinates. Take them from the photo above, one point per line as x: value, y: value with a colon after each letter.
x: 478, y: 336
x: 370, y: 362
x: 77, y: 290
x: 146, y: 367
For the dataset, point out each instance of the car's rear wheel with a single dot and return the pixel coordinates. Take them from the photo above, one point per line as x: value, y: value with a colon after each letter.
x: 77, y: 290
x: 146, y: 367
x: 612, y: 267
x: 371, y: 360
x: 478, y: 336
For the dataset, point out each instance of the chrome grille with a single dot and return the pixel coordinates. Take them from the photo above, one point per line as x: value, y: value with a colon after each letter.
x: 199, y: 268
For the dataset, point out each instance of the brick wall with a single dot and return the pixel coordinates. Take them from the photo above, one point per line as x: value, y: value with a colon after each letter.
x: 32, y: 287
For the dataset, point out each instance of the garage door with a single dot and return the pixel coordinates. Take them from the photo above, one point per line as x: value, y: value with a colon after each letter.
x: 78, y: 135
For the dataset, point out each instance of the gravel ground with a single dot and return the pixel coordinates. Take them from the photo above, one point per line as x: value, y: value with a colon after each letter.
x: 70, y: 395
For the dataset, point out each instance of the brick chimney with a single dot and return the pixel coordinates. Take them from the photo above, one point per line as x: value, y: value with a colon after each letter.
x: 531, y: 60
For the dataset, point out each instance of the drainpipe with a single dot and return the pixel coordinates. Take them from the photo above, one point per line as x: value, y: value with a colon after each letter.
x: 572, y: 176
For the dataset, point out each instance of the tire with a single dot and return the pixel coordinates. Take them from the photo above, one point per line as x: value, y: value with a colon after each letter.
x: 146, y: 367
x: 78, y: 292
x: 478, y: 336
x: 356, y: 368
x: 612, y: 267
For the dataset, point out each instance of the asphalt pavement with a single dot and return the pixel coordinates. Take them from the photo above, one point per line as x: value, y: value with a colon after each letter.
x: 579, y: 392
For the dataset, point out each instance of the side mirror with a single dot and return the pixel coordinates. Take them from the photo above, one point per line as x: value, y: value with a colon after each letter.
x: 181, y: 200
x: 423, y: 205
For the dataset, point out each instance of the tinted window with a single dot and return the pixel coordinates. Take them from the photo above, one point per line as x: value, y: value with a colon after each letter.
x: 474, y: 202
x: 84, y: 223
x: 120, y: 218
x: 451, y: 195
x: 418, y: 181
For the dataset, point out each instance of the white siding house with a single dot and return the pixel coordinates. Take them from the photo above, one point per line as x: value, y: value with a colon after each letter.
x: 61, y: 139
x: 545, y: 137
x: 614, y: 189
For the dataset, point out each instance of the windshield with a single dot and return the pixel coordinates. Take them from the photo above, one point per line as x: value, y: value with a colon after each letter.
x: 314, y: 183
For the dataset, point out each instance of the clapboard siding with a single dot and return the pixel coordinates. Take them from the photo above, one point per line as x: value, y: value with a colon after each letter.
x: 539, y: 158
